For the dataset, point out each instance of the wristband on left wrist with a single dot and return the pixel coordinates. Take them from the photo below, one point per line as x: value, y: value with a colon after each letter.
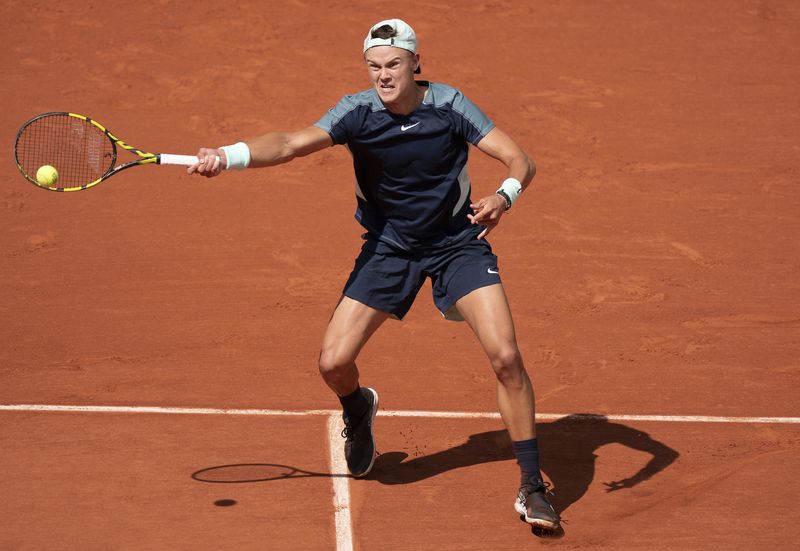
x: 510, y: 190
x: 505, y: 197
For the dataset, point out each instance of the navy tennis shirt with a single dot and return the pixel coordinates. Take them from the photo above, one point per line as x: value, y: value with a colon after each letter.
x: 412, y: 186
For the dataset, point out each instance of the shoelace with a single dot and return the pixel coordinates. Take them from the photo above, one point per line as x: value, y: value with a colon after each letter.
x: 532, y: 488
x: 350, y: 427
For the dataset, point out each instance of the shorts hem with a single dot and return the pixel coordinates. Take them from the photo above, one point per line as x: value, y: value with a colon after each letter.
x: 365, y: 302
x: 451, y: 305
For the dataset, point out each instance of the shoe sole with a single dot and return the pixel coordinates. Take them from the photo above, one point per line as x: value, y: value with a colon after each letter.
x: 371, y: 435
x: 539, y: 523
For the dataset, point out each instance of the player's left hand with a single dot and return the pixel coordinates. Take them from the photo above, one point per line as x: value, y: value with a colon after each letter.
x: 487, y: 212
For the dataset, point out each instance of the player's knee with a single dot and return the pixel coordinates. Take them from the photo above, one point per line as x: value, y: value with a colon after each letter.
x: 506, y: 358
x: 508, y: 367
x: 333, y: 365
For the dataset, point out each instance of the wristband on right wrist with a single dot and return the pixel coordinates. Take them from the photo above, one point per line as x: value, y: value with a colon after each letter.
x: 237, y: 155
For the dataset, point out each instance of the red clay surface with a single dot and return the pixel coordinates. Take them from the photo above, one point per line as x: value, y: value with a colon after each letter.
x: 118, y: 481
x: 652, y: 269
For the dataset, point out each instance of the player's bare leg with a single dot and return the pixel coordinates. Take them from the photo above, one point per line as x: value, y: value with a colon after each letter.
x: 350, y: 327
x: 487, y: 313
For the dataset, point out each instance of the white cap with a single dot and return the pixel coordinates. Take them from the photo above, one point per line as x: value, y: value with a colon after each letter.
x: 404, y: 38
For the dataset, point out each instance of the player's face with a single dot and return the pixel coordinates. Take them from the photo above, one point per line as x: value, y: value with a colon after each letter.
x: 392, y: 72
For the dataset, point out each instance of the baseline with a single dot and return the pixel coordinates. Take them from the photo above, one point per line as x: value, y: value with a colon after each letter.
x: 391, y: 413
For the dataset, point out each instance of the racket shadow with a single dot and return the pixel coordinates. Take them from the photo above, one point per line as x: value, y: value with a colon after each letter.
x: 244, y: 473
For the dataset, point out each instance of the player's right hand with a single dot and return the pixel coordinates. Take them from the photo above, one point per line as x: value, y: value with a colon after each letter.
x: 210, y: 162
x: 615, y: 485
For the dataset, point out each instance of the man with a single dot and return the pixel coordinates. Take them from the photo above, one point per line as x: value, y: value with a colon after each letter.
x: 409, y: 141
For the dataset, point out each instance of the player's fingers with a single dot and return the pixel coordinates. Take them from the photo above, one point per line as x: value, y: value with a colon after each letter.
x: 200, y: 159
x: 478, y: 207
x: 483, y: 216
x: 210, y: 170
x: 201, y: 163
x: 207, y: 159
x: 490, y: 221
x: 208, y: 165
x: 612, y: 486
x: 488, y: 227
x: 477, y: 219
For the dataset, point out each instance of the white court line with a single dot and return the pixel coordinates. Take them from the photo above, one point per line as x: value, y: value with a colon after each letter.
x: 390, y: 413
x: 341, y: 485
x: 160, y: 409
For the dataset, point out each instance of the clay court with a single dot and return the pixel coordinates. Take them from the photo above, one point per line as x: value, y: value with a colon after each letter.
x: 160, y: 332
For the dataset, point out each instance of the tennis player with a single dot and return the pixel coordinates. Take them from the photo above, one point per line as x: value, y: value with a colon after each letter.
x: 410, y: 141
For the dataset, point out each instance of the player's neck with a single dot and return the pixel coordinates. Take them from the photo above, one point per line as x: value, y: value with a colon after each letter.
x: 408, y: 104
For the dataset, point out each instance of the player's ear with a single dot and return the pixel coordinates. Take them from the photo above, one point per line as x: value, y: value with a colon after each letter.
x: 416, y: 64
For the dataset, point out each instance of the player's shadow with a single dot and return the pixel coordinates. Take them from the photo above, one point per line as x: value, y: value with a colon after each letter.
x: 568, y: 456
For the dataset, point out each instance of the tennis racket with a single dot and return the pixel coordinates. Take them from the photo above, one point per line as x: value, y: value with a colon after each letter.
x: 81, y: 150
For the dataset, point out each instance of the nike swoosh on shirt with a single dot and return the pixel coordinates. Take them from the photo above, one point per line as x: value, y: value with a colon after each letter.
x: 403, y: 128
x: 490, y: 271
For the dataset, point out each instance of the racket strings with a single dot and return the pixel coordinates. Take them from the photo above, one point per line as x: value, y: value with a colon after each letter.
x: 79, y: 151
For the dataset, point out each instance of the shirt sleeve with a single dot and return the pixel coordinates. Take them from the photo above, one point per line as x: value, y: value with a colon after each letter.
x: 338, y: 120
x: 469, y: 120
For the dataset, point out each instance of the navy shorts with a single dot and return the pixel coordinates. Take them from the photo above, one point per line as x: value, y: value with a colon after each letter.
x: 388, y: 280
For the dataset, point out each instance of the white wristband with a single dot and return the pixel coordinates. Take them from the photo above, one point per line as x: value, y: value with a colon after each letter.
x: 511, y: 188
x: 238, y: 155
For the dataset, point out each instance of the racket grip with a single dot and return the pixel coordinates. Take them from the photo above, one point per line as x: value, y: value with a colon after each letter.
x: 182, y: 160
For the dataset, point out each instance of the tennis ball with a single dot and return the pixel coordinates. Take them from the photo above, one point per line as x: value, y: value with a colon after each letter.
x: 47, y: 175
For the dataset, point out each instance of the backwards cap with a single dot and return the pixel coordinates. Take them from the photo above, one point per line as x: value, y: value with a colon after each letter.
x: 404, y: 36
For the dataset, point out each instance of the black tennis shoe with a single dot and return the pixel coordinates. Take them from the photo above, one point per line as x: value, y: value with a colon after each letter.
x: 359, y: 444
x: 533, y: 505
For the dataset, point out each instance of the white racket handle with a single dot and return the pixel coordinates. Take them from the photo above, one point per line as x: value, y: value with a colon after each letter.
x: 182, y: 160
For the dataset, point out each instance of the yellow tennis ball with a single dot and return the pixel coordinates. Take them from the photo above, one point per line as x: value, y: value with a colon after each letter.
x: 47, y: 175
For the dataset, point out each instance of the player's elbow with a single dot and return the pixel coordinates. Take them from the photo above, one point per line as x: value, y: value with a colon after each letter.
x: 531, y: 168
x: 288, y: 153
x: 288, y: 148
x: 528, y: 165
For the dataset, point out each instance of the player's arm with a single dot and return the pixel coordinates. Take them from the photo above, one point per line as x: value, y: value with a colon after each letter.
x: 499, y: 145
x: 281, y: 147
x: 662, y: 454
x: 271, y: 149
